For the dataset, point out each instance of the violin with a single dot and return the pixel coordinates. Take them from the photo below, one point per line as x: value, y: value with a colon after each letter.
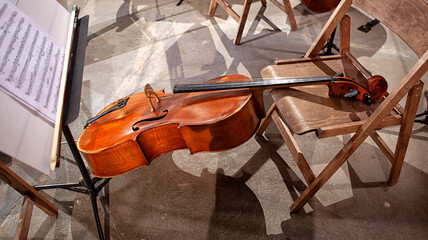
x: 320, y: 6
x: 214, y: 116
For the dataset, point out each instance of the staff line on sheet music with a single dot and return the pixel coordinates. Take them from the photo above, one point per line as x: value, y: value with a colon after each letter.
x: 19, y: 54
x: 51, y: 83
x: 3, y: 10
x: 6, y: 28
x: 30, y: 61
x: 45, y: 72
x: 11, y: 43
x: 36, y: 68
x: 27, y: 61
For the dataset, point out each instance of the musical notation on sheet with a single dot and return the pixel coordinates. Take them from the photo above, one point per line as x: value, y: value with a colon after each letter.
x: 30, y: 62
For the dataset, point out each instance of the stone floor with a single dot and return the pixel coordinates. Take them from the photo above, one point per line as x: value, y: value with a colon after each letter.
x: 243, y: 193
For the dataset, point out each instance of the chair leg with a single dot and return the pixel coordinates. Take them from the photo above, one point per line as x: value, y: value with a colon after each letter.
x: 211, y: 10
x: 286, y: 134
x: 328, y: 171
x: 294, y: 148
x: 383, y: 146
x: 290, y: 14
x: 286, y: 7
x: 328, y: 28
x: 345, y: 35
x: 24, y: 219
x: 242, y: 20
x: 267, y: 120
x: 412, y: 103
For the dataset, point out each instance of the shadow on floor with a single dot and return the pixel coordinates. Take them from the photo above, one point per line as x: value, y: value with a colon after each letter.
x: 164, y: 202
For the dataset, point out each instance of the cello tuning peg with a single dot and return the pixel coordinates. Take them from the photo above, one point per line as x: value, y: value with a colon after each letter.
x: 352, y: 93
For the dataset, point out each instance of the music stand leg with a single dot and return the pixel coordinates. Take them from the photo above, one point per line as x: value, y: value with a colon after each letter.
x: 71, y: 109
x: 329, y: 45
x: 424, y: 113
x: 87, y: 183
x: 96, y: 215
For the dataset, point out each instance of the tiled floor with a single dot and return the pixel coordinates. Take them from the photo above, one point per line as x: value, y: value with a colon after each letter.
x: 243, y: 193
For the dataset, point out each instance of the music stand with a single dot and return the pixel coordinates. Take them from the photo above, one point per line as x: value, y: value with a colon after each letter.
x: 329, y: 45
x: 88, y: 185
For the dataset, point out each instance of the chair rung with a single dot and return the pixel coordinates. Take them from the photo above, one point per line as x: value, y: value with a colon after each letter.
x: 383, y: 146
x: 229, y: 10
x: 300, y: 60
x: 346, y: 128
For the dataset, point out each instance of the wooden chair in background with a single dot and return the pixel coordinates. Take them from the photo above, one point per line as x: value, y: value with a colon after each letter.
x: 309, y: 108
x: 31, y: 197
x: 246, y: 9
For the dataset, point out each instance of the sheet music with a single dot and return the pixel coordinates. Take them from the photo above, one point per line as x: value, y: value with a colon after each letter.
x: 30, y: 62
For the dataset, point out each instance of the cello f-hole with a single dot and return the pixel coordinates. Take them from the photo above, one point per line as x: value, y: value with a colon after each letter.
x: 134, y: 128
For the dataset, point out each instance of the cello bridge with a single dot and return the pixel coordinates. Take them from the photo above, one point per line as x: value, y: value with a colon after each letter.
x: 148, y: 90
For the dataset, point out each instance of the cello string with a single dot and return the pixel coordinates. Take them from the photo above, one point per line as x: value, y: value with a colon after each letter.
x: 254, y: 79
x: 170, y: 85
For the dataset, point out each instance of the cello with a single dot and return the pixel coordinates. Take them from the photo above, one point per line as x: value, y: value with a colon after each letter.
x: 214, y: 116
x: 320, y: 6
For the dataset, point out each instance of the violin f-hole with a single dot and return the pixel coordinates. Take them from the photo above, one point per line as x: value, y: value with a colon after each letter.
x: 148, y: 90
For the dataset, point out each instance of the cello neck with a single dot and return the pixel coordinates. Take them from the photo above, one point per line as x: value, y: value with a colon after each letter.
x: 264, y: 84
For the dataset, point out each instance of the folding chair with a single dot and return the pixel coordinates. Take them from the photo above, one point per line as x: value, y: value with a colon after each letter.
x: 306, y: 109
x: 243, y: 18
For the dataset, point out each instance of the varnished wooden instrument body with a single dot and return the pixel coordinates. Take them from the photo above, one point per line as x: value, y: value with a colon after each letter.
x: 203, y: 121
x: 320, y: 6
x: 199, y: 117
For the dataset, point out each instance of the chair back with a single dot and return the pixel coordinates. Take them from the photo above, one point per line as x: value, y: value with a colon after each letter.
x: 408, y: 19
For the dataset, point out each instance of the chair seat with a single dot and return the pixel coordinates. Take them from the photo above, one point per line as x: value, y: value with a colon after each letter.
x: 293, y: 102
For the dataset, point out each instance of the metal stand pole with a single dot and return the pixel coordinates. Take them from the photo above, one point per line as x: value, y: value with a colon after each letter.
x: 424, y: 113
x: 329, y: 45
x: 88, y: 183
x: 71, y: 112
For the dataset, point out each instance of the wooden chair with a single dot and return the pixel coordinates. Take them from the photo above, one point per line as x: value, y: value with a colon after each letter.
x: 309, y: 108
x: 243, y: 18
x: 31, y: 197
